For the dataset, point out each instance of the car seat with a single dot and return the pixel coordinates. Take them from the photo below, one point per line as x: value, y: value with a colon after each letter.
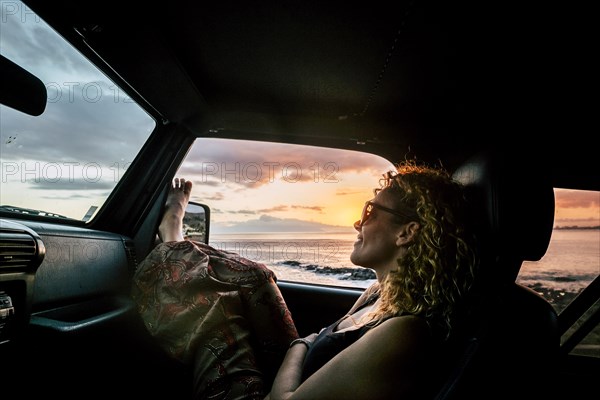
x: 511, y: 341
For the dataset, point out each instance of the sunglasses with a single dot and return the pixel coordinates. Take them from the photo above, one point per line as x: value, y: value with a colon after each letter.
x: 368, y: 211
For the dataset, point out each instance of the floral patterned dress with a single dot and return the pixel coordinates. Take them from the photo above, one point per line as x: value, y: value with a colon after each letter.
x: 218, y: 312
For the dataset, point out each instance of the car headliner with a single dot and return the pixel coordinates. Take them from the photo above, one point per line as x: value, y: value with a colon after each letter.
x: 435, y: 80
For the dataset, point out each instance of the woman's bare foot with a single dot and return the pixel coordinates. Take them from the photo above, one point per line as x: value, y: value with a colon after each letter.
x: 171, y: 225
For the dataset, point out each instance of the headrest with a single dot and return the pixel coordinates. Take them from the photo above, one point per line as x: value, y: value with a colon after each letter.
x: 513, y: 205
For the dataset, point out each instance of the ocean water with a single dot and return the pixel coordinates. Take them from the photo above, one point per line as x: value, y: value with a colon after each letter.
x: 570, y: 264
x: 322, y: 258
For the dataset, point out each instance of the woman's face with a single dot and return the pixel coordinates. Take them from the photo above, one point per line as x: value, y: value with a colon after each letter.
x: 376, y: 245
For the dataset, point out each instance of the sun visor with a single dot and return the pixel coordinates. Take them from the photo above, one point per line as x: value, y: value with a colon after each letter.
x: 21, y: 90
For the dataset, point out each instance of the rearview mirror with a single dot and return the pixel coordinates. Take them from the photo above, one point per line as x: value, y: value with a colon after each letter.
x: 196, y: 222
x: 21, y: 90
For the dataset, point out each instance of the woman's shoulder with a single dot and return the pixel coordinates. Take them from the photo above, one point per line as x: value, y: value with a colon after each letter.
x: 394, y: 356
x: 405, y: 321
x: 402, y: 332
x: 403, y: 344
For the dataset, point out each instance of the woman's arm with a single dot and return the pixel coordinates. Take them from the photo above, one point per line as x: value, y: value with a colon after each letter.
x: 389, y: 361
x: 290, y: 373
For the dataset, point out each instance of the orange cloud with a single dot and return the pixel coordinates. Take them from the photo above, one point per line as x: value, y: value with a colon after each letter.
x: 577, y: 207
x: 576, y: 198
x: 313, y: 208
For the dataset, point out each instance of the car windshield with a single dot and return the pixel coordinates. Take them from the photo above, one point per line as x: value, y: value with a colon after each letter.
x: 65, y: 162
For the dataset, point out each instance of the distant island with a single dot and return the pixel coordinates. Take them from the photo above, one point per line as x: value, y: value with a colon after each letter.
x: 577, y: 227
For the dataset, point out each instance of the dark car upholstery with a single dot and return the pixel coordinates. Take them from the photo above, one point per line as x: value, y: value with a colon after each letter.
x: 512, y: 343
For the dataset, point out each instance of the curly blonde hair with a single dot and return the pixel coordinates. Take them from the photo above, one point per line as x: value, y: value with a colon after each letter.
x: 435, y: 275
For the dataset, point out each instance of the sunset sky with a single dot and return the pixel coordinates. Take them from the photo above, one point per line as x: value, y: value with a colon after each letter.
x: 289, y: 187
x: 577, y: 207
x: 248, y: 185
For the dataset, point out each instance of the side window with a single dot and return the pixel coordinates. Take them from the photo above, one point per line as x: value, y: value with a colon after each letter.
x: 65, y: 162
x: 571, y: 266
x: 290, y: 207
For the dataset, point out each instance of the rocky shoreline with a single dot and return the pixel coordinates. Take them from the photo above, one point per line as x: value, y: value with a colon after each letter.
x: 559, y: 299
x: 347, y: 273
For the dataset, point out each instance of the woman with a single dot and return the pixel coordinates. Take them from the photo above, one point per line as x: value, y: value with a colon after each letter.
x: 414, y: 235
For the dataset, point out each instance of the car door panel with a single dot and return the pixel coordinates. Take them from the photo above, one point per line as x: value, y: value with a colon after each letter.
x: 80, y: 264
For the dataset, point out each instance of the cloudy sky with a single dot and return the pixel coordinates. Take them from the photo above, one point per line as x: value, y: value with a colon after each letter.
x: 72, y: 156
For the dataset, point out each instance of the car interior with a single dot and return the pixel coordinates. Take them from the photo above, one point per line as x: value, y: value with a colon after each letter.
x: 493, y: 92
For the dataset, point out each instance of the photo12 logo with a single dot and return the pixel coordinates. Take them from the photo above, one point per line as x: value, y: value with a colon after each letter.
x: 17, y: 10
x: 53, y: 172
x: 268, y: 171
x: 90, y: 92
x: 312, y: 252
